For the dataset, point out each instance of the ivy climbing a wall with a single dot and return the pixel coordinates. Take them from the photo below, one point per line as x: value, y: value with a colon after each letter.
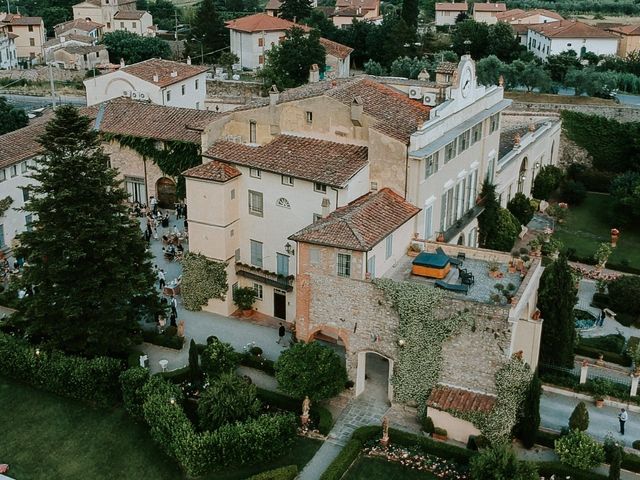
x: 420, y: 358
x: 5, y: 203
x: 202, y: 279
x: 174, y: 158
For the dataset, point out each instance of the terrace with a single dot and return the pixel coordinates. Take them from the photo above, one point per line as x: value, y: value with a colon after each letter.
x: 477, y: 262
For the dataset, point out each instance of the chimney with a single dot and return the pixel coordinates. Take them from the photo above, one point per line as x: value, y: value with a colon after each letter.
x: 359, y: 10
x: 174, y: 74
x: 189, y: 60
x: 423, y: 75
x: 314, y: 73
x: 62, y: 39
x: 357, y: 109
x: 155, y: 78
x: 326, y: 205
x: 274, y: 95
x: 122, y: 63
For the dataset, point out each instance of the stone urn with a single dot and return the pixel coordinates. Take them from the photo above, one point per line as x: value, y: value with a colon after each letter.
x: 615, y: 234
x: 440, y: 237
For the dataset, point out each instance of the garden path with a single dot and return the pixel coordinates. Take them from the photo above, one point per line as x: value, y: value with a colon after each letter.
x: 200, y: 325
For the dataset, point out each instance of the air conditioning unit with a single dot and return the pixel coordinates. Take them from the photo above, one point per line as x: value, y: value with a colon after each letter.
x: 126, y: 93
x: 142, y: 96
x: 415, y: 92
x: 429, y: 99
x: 134, y: 95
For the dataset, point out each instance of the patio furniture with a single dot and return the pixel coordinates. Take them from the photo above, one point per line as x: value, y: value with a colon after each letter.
x: 454, y: 261
x: 453, y: 287
x: 163, y: 363
x: 462, y: 256
x: 466, y: 277
x: 432, y: 265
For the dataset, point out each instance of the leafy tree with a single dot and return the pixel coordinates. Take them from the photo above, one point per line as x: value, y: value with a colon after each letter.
x: 408, y: 67
x: 475, y: 32
x: 529, y: 416
x: 579, y: 450
x: 325, y: 26
x: 489, y: 70
x: 310, y: 369
x: 410, y: 13
x: 295, y: 10
x: 461, y: 17
x: 579, y: 419
x: 209, y: 32
x: 521, y: 208
x: 506, y: 232
x: 559, y: 65
x: 228, y: 399
x: 558, y: 333
x: 356, y: 36
x: 11, y: 118
x: 546, y: 182
x: 227, y: 60
x: 499, y: 462
x: 625, y: 196
x: 624, y: 294
x: 503, y: 41
x: 288, y: 64
x: 533, y: 76
x: 163, y: 12
x: 194, y: 362
x: 218, y: 358
x: 573, y: 192
x: 52, y: 16
x: 134, y: 48
x: 374, y: 68
x: 88, y: 299
x: 488, y: 219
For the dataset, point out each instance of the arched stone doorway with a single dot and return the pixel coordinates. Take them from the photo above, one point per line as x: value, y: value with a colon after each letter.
x: 373, y: 375
x: 522, y: 175
x: 166, y: 192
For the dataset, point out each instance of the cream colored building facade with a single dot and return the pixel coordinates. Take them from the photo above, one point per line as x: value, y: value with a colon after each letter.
x: 29, y: 36
x: 116, y: 15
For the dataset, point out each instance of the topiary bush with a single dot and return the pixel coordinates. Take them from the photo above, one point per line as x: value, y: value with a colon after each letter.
x: 132, y: 381
x: 427, y: 424
x: 529, y: 415
x: 579, y: 419
x: 579, y: 450
x: 546, y: 182
x: 506, y: 234
x: 573, y: 192
x: 218, y: 358
x: 244, y: 297
x: 521, y: 208
x: 624, y: 294
x: 310, y: 369
x: 499, y: 462
x: 227, y: 400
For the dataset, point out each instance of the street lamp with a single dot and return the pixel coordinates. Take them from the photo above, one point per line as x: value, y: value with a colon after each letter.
x: 289, y: 249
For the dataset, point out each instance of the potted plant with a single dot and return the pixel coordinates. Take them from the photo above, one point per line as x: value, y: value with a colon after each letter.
x: 535, y: 245
x: 599, y: 390
x: 494, y: 269
x: 414, y: 249
x: 440, y: 434
x: 244, y: 297
x: 515, y: 256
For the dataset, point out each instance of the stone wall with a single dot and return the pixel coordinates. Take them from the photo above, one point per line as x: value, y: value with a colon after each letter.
x: 617, y: 112
x: 41, y: 74
x: 232, y: 88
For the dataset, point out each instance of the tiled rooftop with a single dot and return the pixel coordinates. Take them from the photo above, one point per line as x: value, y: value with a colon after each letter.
x: 129, y: 14
x: 449, y: 398
x: 164, y: 69
x: 570, y: 29
x: 361, y: 224
x: 79, y: 24
x: 480, y: 291
x: 336, y: 49
x: 214, y: 171
x: 489, y: 7
x: 315, y: 160
x: 261, y: 22
x: 452, y: 7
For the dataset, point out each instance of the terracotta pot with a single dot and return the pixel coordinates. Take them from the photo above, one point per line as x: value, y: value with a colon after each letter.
x: 440, y: 237
x: 512, y: 269
x: 247, y: 313
x: 437, y: 436
x: 600, y: 403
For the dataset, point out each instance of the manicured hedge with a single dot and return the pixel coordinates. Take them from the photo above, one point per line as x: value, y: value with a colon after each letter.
x: 440, y: 449
x: 320, y: 416
x: 132, y: 382
x: 563, y: 471
x: 163, y: 340
x: 283, y: 473
x: 178, y: 375
x: 343, y: 461
x: 259, y: 363
x: 547, y: 439
x: 93, y: 380
x: 631, y: 462
x: 612, y: 357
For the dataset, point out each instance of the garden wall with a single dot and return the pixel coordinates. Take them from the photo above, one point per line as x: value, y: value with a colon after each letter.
x: 619, y: 113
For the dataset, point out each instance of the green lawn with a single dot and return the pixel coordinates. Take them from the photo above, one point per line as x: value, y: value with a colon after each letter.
x: 589, y: 224
x: 43, y: 436
x: 378, y: 469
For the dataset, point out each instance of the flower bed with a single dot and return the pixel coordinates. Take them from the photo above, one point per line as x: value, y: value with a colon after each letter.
x: 416, y: 459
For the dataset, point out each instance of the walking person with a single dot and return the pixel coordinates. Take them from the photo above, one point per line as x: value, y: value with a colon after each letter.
x: 622, y: 418
x: 161, y: 278
x: 154, y: 204
x: 281, y: 332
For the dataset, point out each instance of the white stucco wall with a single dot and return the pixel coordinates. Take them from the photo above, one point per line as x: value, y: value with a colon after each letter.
x: 13, y: 221
x: 542, y: 46
x: 248, y: 48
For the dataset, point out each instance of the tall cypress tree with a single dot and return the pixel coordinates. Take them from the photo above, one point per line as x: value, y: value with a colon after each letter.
x: 410, y: 13
x: 529, y: 416
x: 87, y: 271
x: 557, y: 295
x: 209, y: 33
x: 489, y: 219
x: 295, y: 10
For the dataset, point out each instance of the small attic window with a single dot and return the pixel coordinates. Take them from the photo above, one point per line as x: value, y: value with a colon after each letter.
x: 283, y: 202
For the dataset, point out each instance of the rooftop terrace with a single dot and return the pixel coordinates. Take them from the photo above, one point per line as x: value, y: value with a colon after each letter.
x: 477, y: 262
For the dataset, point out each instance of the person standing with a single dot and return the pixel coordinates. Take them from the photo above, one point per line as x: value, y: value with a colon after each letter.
x: 154, y: 204
x: 281, y: 332
x: 622, y: 418
x: 161, y: 278
x: 174, y: 305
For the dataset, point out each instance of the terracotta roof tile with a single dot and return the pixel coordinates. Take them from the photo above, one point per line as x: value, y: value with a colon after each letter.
x: 18, y: 20
x: 336, y: 49
x: 489, y: 7
x: 214, y: 170
x: 81, y: 50
x: 361, y: 224
x: 261, y: 22
x: 518, y: 14
x: 273, y: 5
x: 363, y: 4
x: 146, y: 70
x: 570, y: 29
x: 348, y: 12
x: 307, y: 158
x: 632, y: 30
x: 79, y: 24
x: 450, y: 398
x: 446, y: 68
x: 69, y: 37
x: 129, y: 14
x: 451, y: 7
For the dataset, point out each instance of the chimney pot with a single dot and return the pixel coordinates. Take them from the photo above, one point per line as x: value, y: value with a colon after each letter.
x: 155, y: 78
x: 174, y: 74
x: 326, y: 205
x: 122, y: 64
x: 188, y: 60
x: 274, y: 95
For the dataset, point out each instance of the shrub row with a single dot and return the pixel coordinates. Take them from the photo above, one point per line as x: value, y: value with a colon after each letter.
x: 254, y: 441
x: 163, y: 339
x: 93, y: 380
x: 320, y: 416
x: 547, y: 469
x: 259, y: 363
x: 612, y: 357
x: 283, y: 473
x: 178, y: 375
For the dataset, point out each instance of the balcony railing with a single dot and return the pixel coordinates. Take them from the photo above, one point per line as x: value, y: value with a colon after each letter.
x: 454, y: 230
x: 265, y: 276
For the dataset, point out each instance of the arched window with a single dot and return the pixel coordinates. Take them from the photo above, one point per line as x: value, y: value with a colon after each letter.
x: 522, y: 175
x: 283, y: 202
